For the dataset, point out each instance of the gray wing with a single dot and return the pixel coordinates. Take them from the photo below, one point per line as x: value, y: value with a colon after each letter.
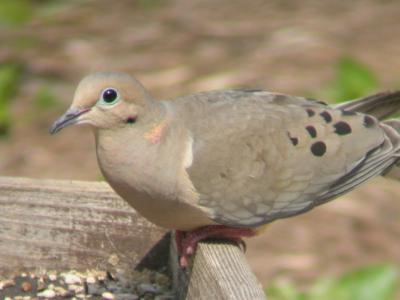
x: 260, y: 156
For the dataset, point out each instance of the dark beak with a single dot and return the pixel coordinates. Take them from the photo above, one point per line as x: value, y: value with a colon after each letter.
x: 70, y: 117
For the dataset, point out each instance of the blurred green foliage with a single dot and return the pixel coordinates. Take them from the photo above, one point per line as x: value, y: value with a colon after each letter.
x: 368, y: 283
x: 45, y: 99
x: 10, y: 75
x: 353, y: 80
x: 15, y: 12
x: 150, y: 4
x: 19, y: 12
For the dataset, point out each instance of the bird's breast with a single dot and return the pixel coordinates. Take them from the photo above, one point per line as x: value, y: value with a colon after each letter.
x: 151, y: 181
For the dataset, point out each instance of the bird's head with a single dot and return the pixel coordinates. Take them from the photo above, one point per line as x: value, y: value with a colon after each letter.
x: 105, y: 101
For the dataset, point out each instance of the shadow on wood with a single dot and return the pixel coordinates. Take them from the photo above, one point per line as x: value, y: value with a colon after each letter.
x: 157, y: 257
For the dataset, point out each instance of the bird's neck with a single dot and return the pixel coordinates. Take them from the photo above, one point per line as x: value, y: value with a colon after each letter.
x: 143, y: 155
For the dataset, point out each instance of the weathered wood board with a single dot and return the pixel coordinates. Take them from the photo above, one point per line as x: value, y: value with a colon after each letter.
x: 69, y: 225
x: 219, y: 271
x: 59, y: 225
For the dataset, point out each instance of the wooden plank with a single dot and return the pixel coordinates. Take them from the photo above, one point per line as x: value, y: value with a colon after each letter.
x: 82, y: 225
x: 219, y: 271
x: 70, y: 225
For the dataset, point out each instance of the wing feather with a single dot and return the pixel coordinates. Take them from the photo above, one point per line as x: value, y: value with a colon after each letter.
x: 251, y: 148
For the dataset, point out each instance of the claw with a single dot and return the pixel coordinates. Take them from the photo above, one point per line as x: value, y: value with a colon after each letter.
x: 187, y: 241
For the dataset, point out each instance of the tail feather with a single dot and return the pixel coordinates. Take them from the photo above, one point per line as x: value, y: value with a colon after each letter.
x: 394, y: 123
x: 394, y: 171
x: 381, y: 105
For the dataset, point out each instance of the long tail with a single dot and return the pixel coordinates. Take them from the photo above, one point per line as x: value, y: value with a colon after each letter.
x: 381, y: 105
x: 394, y: 171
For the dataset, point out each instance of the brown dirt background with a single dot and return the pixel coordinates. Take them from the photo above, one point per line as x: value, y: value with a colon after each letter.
x: 176, y: 47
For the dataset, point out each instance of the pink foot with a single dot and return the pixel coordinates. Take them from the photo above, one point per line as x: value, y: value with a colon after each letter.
x: 187, y: 241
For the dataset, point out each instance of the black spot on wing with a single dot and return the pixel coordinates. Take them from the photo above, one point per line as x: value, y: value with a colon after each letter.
x: 294, y: 140
x: 318, y: 148
x: 311, y: 131
x: 326, y: 116
x: 342, y: 128
x: 369, y: 121
x: 310, y: 112
x: 317, y: 101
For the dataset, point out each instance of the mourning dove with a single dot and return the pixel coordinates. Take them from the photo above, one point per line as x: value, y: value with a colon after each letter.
x: 224, y: 163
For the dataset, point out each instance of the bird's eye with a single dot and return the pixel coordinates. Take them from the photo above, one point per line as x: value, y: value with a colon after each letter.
x: 109, y: 96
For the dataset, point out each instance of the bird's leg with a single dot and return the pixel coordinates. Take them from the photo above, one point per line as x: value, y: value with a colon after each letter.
x: 187, y: 241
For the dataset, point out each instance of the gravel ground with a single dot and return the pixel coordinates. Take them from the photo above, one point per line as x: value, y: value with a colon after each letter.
x: 93, y: 284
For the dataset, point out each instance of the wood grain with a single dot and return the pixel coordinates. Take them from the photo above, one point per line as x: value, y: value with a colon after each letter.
x: 82, y: 225
x: 69, y: 225
x: 219, y: 271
